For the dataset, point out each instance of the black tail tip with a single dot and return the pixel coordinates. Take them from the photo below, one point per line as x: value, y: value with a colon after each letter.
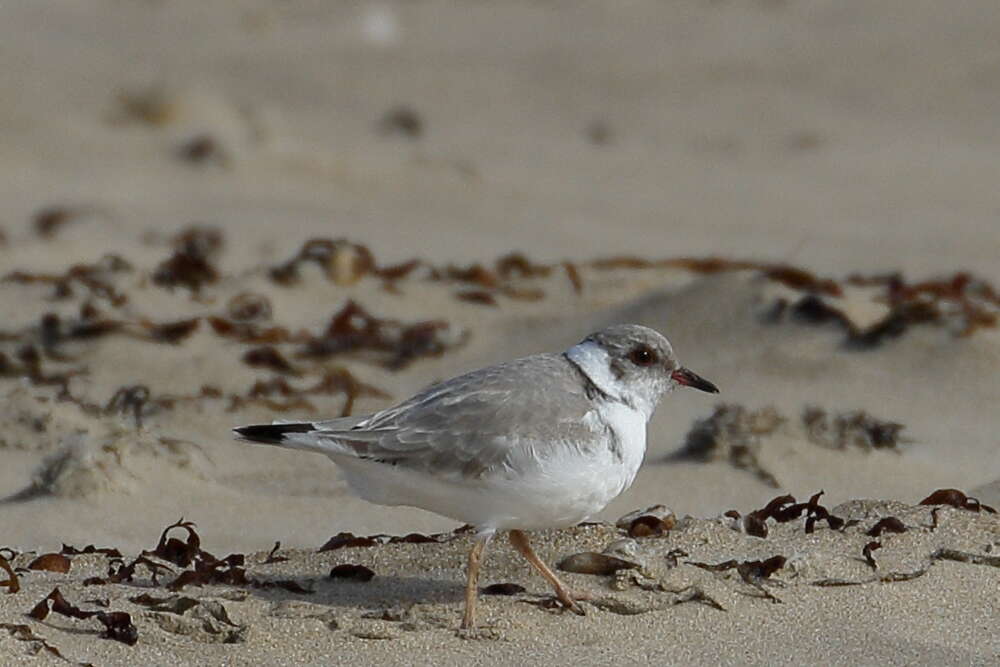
x: 270, y: 433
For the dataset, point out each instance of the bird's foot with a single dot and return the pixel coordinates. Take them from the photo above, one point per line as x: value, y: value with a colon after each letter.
x: 571, y: 600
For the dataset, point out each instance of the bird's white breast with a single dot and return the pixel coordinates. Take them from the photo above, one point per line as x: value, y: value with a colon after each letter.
x: 629, y: 426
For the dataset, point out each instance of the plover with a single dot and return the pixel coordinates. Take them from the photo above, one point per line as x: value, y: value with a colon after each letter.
x: 540, y: 442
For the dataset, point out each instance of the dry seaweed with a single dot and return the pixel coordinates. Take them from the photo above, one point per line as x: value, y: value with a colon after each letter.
x: 52, y: 330
x: 204, y: 149
x: 753, y: 572
x: 205, y: 570
x: 956, y: 498
x: 887, y: 578
x: 51, y: 563
x: 272, y: 558
x: 783, y: 509
x: 801, y: 279
x: 889, y: 524
x: 28, y: 365
x: 523, y: 294
x: 334, y: 381
x: 850, y: 429
x: 792, y: 277
x: 350, y: 540
x: 482, y: 297
x: 12, y: 583
x: 120, y: 572
x: 269, y: 357
x: 695, y: 594
x: 249, y: 307
x: 353, y: 329
x: 402, y: 121
x: 117, y: 624
x: 475, y: 274
x: 867, y: 553
x: 503, y: 589
x: 228, y: 571
x: 134, y: 400
x: 191, y: 263
x: 170, y: 332
x: 573, y: 273
x: 347, y: 540
x: 48, y: 221
x: 352, y: 572
x: 673, y: 555
x: 517, y: 265
x: 734, y: 434
x: 755, y: 523
x: 343, y: 262
x: 816, y: 512
x: 621, y: 262
x: 174, y: 550
x: 737, y: 435
x: 95, y: 278
x: 129, y: 400
x: 417, y: 538
x: 249, y: 332
x: 961, y: 303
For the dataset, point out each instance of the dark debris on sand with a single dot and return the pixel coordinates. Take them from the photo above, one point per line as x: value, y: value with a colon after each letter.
x: 737, y: 435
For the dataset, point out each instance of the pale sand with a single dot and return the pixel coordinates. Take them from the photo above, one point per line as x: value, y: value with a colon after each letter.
x: 837, y: 136
x: 408, y: 612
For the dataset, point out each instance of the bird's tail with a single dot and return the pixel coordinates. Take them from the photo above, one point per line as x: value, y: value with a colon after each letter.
x: 291, y: 435
x: 272, y: 434
x: 307, y: 436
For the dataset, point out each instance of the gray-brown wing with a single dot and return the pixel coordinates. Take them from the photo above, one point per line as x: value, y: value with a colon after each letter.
x: 480, y: 422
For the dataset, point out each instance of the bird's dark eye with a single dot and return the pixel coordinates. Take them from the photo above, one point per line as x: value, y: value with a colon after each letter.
x: 642, y: 356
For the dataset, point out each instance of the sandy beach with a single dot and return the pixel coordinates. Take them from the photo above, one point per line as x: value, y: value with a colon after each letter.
x: 223, y: 214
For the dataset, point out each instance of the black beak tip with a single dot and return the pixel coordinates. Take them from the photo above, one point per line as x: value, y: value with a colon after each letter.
x: 691, y: 379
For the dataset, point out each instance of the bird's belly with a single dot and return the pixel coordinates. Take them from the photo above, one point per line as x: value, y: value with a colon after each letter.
x: 550, y: 493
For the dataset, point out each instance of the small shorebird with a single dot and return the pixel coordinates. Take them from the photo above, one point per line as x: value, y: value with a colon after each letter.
x: 540, y: 442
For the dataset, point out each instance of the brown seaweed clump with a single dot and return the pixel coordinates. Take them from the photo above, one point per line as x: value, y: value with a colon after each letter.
x: 733, y: 434
x: 850, y: 429
x: 783, y: 509
x: 96, y: 280
x: 737, y: 435
x: 394, y: 344
x: 345, y: 263
x: 961, y: 303
x: 191, y: 264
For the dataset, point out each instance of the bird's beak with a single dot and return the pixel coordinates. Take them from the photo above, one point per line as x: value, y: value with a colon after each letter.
x: 689, y: 379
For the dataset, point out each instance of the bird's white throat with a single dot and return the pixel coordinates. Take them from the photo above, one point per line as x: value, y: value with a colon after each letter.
x: 595, y: 362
